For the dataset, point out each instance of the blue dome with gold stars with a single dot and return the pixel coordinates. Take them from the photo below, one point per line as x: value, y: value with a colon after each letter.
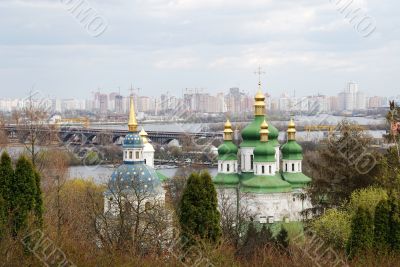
x: 138, y: 176
x: 133, y: 140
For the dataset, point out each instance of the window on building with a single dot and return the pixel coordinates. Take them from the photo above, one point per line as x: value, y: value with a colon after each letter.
x: 130, y: 154
x: 286, y: 167
x: 137, y: 154
x: 227, y: 167
x: 222, y: 167
x: 251, y: 161
x: 292, y: 167
x: 262, y: 169
x: 144, y: 161
x: 270, y: 169
x: 126, y: 154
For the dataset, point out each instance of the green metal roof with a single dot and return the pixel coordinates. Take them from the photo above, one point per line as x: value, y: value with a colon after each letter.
x: 265, y: 184
x: 297, y: 180
x: 227, y: 179
x: 227, y: 151
x: 251, y: 133
x: 292, y: 151
x: 264, y: 152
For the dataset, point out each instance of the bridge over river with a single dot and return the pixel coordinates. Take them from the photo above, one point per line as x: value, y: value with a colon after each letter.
x: 87, y: 136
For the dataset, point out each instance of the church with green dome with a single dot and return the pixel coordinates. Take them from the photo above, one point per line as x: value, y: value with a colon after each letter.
x: 262, y: 174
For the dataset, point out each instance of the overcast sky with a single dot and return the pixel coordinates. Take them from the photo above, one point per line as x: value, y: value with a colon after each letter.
x: 168, y: 45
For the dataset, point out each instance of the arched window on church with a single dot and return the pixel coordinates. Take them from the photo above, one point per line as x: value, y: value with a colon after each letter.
x: 286, y: 167
x: 251, y: 161
x: 130, y: 154
x: 137, y: 154
x: 270, y: 169
x: 227, y: 167
x: 126, y: 154
x: 262, y: 169
x: 292, y: 167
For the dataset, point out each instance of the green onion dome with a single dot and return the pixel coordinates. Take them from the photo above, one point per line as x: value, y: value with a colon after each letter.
x: 251, y: 133
x: 264, y: 152
x: 227, y: 151
x: 292, y: 151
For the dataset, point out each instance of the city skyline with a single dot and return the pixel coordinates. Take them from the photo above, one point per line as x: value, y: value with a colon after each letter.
x: 170, y: 45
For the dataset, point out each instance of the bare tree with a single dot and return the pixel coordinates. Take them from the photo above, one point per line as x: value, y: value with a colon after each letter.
x: 33, y: 129
x: 3, y: 134
x: 135, y: 216
x: 234, y: 216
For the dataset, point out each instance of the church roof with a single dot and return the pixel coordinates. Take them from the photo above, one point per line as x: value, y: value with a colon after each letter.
x: 292, y: 151
x: 227, y: 151
x: 132, y: 140
x: 139, y: 176
x: 227, y: 179
x: 297, y: 180
x: 265, y: 184
x: 264, y: 152
x: 251, y: 133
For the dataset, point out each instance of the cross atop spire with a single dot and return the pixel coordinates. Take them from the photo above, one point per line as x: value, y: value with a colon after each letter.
x: 259, y: 72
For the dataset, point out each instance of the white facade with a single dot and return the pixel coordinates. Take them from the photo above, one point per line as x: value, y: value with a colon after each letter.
x: 292, y: 166
x: 264, y: 168
x: 247, y: 159
x: 227, y: 166
x: 133, y: 154
x: 148, y: 155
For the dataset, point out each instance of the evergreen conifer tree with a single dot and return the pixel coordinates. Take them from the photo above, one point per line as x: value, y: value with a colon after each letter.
x: 198, y: 213
x: 362, y: 233
x: 249, y: 245
x: 265, y: 236
x: 382, y: 225
x: 6, y: 176
x: 394, y: 222
x: 3, y: 218
x: 282, y: 239
x: 24, y: 192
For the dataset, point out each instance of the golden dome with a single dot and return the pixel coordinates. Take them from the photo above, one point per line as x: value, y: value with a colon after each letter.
x: 259, y: 96
x: 228, y: 124
x: 264, y: 131
x: 228, y: 130
x: 264, y: 125
x: 144, y: 135
x: 291, y: 130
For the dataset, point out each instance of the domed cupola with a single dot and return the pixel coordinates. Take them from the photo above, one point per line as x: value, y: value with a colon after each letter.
x: 227, y: 150
x: 292, y: 150
x: 264, y: 152
x: 292, y: 155
x: 133, y: 144
x: 251, y: 133
x: 227, y: 160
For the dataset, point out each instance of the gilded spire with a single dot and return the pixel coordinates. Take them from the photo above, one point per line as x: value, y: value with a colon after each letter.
x: 132, y: 124
x: 144, y: 136
x: 228, y: 133
x: 264, y: 132
x: 291, y: 131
